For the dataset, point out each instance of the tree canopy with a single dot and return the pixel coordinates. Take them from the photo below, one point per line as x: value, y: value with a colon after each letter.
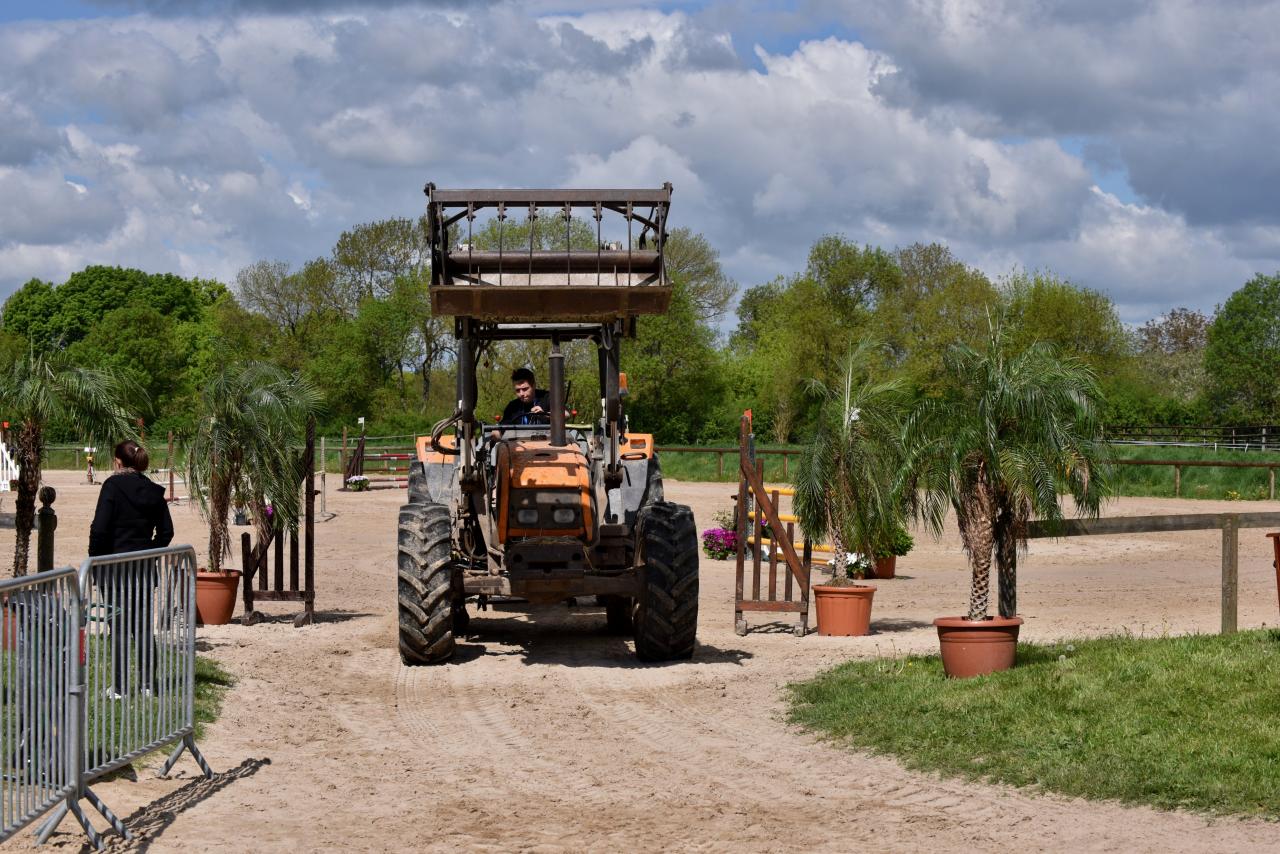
x: 1242, y: 353
x: 357, y: 325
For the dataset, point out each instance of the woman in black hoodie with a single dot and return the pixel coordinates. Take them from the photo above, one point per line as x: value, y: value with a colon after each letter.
x: 132, y: 515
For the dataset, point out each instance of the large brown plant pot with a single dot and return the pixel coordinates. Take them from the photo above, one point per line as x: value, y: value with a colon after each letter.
x: 977, y: 647
x: 844, y: 611
x: 216, y: 596
x: 886, y: 567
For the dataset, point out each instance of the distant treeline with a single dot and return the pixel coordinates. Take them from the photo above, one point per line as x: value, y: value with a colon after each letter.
x: 357, y: 324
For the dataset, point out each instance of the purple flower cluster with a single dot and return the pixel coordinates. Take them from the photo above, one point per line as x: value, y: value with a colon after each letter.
x: 719, y: 543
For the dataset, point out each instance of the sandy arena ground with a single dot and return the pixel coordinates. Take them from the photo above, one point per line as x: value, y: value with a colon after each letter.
x: 544, y: 734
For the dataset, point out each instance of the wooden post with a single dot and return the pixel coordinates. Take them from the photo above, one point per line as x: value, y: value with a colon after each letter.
x: 1275, y: 542
x: 807, y: 563
x: 1271, y: 484
x: 773, y: 556
x: 309, y: 531
x: 342, y: 467
x: 1230, y: 571
x: 1177, y: 481
x: 247, y: 561
x: 791, y: 534
x: 739, y: 622
x: 46, y: 524
x: 720, y: 465
x: 761, y: 502
x: 293, y: 561
x: 278, y: 536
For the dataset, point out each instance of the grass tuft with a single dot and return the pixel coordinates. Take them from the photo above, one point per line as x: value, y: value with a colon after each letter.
x: 212, y: 683
x: 1174, y: 722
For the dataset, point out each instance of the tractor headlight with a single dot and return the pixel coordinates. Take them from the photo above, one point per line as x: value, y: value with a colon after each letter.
x: 564, y: 515
x: 527, y: 517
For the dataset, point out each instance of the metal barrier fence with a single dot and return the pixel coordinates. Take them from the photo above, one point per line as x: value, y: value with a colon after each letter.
x: 99, y: 670
x: 38, y: 732
x: 140, y: 611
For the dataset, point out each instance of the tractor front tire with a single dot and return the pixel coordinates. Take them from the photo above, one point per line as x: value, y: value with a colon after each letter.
x: 425, y: 597
x: 666, y: 619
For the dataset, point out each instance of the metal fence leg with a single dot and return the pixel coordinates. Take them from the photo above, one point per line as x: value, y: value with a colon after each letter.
x: 94, y: 839
x: 111, y: 817
x: 187, y: 743
x: 45, y: 830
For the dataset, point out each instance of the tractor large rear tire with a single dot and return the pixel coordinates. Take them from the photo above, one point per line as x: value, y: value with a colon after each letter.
x: 425, y: 584
x: 418, y: 492
x: 666, y: 621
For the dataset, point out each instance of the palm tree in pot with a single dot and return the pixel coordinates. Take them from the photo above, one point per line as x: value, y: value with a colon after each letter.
x: 844, y: 485
x: 1016, y: 430
x: 39, y: 390
x: 243, y: 450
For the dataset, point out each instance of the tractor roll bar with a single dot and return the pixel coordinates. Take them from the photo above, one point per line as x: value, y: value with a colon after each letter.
x: 518, y: 279
x: 580, y: 198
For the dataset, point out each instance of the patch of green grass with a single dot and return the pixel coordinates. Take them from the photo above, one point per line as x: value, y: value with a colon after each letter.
x: 703, y: 466
x: 1175, y: 722
x: 212, y: 683
x: 1249, y: 484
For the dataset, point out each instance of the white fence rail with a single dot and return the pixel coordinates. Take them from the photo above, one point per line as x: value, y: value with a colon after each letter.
x: 8, y: 468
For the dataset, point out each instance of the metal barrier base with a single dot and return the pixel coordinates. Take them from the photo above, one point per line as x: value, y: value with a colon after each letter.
x: 189, y: 744
x: 72, y: 805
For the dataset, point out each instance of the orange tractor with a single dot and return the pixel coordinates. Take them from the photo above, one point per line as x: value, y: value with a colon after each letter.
x: 545, y: 513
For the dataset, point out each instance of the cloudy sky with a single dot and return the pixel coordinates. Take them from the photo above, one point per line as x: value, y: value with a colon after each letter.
x: 1129, y: 146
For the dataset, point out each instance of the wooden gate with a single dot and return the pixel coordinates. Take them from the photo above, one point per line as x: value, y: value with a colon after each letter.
x: 257, y: 559
x: 757, y: 505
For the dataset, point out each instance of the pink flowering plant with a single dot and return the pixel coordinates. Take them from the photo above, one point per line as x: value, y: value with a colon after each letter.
x: 720, y: 542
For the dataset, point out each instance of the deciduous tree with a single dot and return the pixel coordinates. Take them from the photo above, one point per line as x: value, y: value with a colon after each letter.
x: 1242, y: 355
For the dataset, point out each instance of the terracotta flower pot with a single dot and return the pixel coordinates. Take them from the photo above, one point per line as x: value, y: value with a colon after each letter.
x: 216, y: 596
x: 844, y: 611
x: 977, y: 647
x: 886, y: 566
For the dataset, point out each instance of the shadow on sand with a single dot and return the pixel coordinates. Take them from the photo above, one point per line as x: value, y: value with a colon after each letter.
x: 149, y: 822
x: 573, y: 637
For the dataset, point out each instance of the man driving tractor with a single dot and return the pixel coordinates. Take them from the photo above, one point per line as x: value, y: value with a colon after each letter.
x: 530, y: 403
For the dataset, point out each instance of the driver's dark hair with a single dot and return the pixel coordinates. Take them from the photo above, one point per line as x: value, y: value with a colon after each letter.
x: 523, y: 375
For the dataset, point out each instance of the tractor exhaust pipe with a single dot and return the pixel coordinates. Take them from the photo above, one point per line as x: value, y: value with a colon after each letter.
x: 557, y: 396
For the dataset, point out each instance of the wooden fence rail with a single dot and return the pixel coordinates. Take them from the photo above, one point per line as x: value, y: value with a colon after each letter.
x: 1179, y: 465
x: 1229, y: 523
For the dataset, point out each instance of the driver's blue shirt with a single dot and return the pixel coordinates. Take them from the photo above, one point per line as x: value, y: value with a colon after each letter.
x: 518, y: 412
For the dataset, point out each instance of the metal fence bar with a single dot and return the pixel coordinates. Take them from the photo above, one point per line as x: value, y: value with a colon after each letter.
x: 41, y: 630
